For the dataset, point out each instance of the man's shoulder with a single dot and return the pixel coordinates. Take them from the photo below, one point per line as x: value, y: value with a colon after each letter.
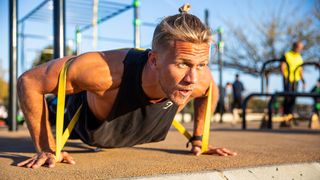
x: 105, y: 64
x: 94, y: 57
x: 236, y: 82
x: 292, y: 54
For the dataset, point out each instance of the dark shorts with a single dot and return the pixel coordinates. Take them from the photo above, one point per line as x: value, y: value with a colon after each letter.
x: 72, y: 103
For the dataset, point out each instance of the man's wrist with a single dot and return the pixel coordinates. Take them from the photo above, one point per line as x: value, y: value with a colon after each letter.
x: 47, y: 149
x: 195, y: 141
x: 196, y: 138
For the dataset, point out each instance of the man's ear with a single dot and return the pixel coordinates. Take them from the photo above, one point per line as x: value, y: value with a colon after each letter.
x: 152, y: 58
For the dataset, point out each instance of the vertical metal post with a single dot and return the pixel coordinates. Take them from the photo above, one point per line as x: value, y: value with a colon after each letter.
x: 95, y: 23
x: 272, y: 100
x: 206, y: 21
x: 206, y: 17
x: 58, y: 28
x: 78, y: 40
x: 13, y: 65
x: 22, y: 48
x: 136, y: 23
x: 262, y: 82
x: 267, y: 83
x: 244, y: 107
x: 220, y: 51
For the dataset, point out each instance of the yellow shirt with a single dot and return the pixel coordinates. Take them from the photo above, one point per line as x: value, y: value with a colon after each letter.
x: 294, y: 60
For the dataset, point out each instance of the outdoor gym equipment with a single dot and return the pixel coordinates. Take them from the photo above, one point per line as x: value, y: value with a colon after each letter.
x: 274, y: 95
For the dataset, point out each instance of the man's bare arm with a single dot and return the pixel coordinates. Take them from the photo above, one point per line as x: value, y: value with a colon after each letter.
x: 35, y: 83
x: 32, y: 86
x: 200, y: 105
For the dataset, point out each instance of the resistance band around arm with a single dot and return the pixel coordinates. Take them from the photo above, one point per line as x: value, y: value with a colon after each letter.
x: 206, y: 129
x: 62, y: 137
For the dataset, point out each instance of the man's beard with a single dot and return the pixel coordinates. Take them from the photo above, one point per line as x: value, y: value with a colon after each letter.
x: 174, y: 95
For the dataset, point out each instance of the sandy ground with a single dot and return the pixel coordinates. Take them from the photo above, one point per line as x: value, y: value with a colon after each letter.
x: 255, y: 148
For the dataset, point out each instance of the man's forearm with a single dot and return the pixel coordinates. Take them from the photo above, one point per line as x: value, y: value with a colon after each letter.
x: 200, y: 106
x: 199, y: 112
x: 35, y: 111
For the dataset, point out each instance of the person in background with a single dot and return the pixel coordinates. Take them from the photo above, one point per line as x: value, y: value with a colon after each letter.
x: 291, y: 78
x: 237, y: 89
x: 228, y: 97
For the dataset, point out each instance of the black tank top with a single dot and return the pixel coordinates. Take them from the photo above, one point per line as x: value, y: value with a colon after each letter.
x: 133, y: 119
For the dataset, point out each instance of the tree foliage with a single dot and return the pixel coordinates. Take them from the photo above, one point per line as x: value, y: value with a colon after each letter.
x: 271, y: 36
x: 3, y: 91
x: 4, y: 88
x: 46, y: 55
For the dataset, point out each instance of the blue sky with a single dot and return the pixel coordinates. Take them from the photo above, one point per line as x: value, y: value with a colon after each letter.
x: 151, y: 11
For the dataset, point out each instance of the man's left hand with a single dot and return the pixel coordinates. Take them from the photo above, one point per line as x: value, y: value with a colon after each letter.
x: 196, y: 150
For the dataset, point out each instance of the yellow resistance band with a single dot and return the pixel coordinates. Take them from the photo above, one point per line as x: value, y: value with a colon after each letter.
x: 62, y: 137
x: 206, y: 131
x: 206, y: 128
x: 181, y: 129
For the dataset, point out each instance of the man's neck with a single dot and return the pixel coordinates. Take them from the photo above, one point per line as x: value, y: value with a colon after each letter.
x: 150, y: 84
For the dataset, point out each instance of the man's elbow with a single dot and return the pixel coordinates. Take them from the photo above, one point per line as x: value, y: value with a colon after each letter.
x: 23, y: 83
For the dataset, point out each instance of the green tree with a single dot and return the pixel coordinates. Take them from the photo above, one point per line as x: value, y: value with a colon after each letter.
x: 46, y: 55
x: 4, y: 90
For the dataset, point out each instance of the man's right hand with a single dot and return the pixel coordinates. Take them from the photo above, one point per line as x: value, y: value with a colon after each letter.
x: 46, y: 159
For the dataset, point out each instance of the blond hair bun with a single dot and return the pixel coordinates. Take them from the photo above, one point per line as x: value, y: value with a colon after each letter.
x: 185, y: 8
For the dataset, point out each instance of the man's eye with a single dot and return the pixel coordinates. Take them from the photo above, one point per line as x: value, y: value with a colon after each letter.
x: 182, y: 65
x: 201, y: 66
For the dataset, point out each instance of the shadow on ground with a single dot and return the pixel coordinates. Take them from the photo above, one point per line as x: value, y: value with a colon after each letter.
x: 172, y: 151
x: 14, y: 148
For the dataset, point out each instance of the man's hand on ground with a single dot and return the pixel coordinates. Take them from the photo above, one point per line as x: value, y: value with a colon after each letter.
x: 46, y: 158
x: 196, y: 150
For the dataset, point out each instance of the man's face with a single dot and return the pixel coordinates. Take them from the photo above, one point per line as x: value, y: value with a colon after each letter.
x: 180, y: 68
x: 298, y: 48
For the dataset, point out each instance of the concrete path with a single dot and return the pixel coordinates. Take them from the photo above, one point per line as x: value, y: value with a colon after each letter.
x: 256, y: 148
x: 288, y: 171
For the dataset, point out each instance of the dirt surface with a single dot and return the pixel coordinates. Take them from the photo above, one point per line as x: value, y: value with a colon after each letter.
x: 255, y: 148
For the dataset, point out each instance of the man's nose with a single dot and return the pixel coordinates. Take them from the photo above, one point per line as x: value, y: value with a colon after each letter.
x: 191, y: 76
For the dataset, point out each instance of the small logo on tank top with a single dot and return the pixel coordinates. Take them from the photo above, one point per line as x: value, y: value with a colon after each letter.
x: 168, y: 104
